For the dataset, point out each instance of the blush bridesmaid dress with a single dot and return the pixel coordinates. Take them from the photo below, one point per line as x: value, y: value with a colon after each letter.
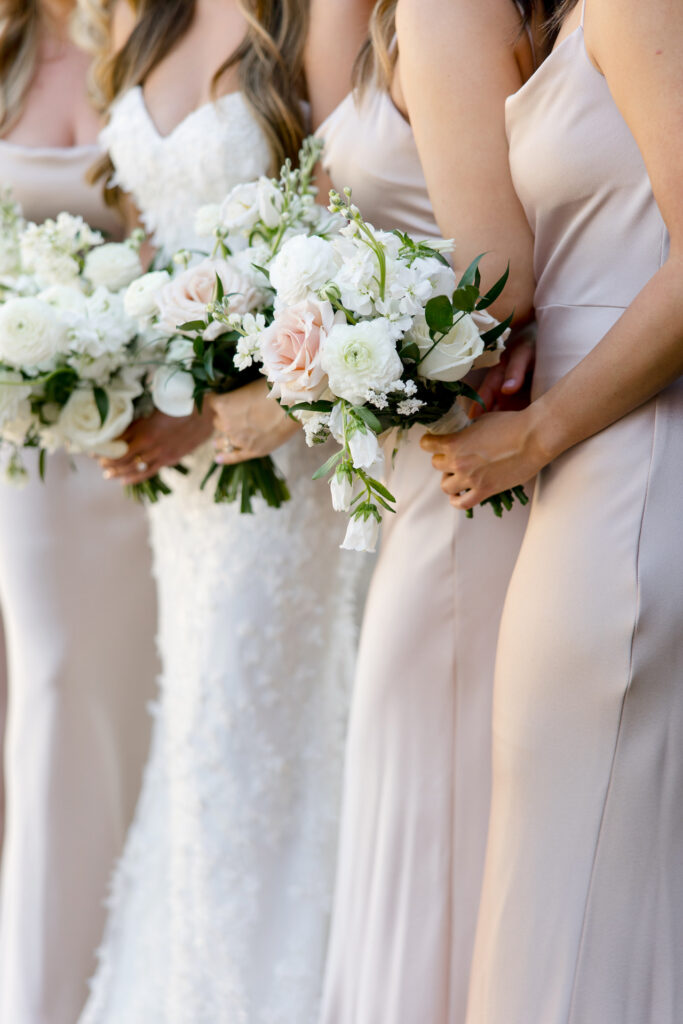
x: 582, y: 908
x: 79, y: 610
x: 417, y: 780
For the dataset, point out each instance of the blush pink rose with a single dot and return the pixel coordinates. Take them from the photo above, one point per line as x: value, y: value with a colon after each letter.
x: 186, y: 297
x: 291, y: 347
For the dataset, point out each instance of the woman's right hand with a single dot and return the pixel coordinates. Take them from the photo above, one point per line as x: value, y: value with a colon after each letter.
x: 157, y: 442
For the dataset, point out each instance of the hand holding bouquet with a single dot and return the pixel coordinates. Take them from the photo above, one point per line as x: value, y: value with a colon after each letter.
x: 372, y: 331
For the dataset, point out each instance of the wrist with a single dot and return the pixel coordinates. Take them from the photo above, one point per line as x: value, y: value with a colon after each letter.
x: 543, y: 432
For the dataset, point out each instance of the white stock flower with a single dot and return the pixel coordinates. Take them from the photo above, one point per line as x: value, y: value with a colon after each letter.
x: 113, y: 265
x: 31, y: 333
x: 104, y: 327
x: 207, y: 220
x: 454, y: 356
x: 140, y: 300
x: 14, y: 395
x: 64, y: 297
x: 361, y: 357
x: 361, y: 534
x: 173, y: 391
x: 301, y: 268
x: 81, y: 428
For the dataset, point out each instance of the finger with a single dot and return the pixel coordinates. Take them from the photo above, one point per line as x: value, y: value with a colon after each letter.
x: 465, y: 501
x: 138, y: 477
x: 434, y: 443
x: 441, y: 462
x: 518, y: 366
x: 488, y: 391
x: 234, y: 458
x: 452, y: 485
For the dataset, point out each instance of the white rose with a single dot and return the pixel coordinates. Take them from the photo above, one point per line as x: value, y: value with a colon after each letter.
x: 302, y: 266
x: 240, y: 211
x: 173, y: 391
x: 207, y: 219
x: 361, y: 357
x: 361, y: 534
x: 113, y: 266
x: 82, y: 430
x: 454, y: 356
x: 140, y: 300
x: 490, y: 357
x: 14, y: 395
x: 31, y: 333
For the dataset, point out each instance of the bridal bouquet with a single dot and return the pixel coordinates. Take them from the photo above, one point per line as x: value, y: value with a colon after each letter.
x: 372, y: 331
x: 68, y: 346
x: 214, y: 310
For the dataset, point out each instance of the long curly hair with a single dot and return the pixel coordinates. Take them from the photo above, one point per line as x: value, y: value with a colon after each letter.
x: 377, y: 58
x: 19, y: 31
x: 269, y: 59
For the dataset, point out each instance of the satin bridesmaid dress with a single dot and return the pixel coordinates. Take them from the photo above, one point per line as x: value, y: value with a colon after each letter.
x: 79, y: 611
x: 417, y: 780
x: 582, y: 909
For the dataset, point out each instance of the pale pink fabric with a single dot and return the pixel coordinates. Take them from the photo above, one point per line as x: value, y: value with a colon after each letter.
x: 79, y: 611
x: 418, y: 757
x: 582, y: 908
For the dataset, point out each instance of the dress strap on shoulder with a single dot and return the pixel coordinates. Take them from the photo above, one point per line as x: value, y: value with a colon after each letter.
x: 583, y: 12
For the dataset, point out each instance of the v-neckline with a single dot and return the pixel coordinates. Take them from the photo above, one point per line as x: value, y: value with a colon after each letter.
x: 211, y: 104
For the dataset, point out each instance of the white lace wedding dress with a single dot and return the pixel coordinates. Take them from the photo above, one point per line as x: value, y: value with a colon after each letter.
x: 219, y: 908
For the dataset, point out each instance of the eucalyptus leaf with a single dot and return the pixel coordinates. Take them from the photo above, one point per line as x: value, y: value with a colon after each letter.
x: 102, y: 402
x: 493, y: 293
x: 439, y: 314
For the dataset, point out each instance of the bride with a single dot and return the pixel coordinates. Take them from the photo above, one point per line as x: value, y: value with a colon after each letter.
x: 220, y: 906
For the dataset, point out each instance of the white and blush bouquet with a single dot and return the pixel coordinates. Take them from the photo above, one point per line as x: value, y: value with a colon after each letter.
x: 372, y: 331
x: 68, y: 346
x: 213, y: 309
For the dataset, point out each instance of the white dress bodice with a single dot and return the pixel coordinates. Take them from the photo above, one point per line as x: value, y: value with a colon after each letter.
x: 217, y: 146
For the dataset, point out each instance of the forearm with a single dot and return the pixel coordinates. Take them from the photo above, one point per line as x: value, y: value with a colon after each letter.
x: 641, y: 355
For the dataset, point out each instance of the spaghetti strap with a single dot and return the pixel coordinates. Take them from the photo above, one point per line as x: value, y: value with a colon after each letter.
x: 583, y: 12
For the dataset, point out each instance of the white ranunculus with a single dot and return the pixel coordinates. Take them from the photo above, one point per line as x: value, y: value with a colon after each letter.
x: 454, y: 356
x: 341, y: 488
x: 82, y: 430
x: 361, y: 357
x: 14, y: 394
x: 140, y: 300
x: 113, y: 266
x: 173, y: 391
x: 301, y: 268
x: 240, y: 211
x: 207, y: 219
x: 357, y: 275
x: 361, y: 534
x: 31, y: 333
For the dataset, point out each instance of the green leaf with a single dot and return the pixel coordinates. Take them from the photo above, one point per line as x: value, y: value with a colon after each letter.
x: 468, y: 392
x: 362, y: 412
x: 439, y: 314
x: 410, y: 351
x: 472, y: 275
x: 199, y: 347
x: 321, y: 406
x: 384, y: 491
x: 491, y: 337
x: 220, y: 290
x: 208, y: 361
x: 193, y: 325
x: 42, y: 464
x: 465, y: 298
x: 102, y: 402
x: 328, y: 466
x: 494, y: 292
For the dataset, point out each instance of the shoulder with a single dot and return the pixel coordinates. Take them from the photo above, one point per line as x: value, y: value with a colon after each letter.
x: 616, y: 30
x: 123, y: 21
x: 443, y: 23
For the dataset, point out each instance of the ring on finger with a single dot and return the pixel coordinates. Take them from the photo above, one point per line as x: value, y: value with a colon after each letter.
x: 224, y: 445
x: 141, y: 466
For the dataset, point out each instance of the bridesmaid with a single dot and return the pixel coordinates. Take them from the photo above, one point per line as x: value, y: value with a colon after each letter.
x: 76, y: 593
x: 417, y: 774
x: 582, y: 913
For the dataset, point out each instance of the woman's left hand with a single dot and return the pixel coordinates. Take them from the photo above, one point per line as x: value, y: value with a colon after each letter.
x: 249, y: 424
x: 500, y: 451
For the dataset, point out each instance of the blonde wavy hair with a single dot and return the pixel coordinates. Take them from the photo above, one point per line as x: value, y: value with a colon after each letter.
x: 269, y: 59
x: 19, y: 31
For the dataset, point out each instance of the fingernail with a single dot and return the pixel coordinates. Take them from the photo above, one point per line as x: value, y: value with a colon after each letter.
x: 220, y: 459
x: 511, y: 383
x: 107, y: 474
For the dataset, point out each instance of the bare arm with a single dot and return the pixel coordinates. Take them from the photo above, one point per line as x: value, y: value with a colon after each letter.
x: 640, y: 51
x: 457, y: 65
x: 337, y: 30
